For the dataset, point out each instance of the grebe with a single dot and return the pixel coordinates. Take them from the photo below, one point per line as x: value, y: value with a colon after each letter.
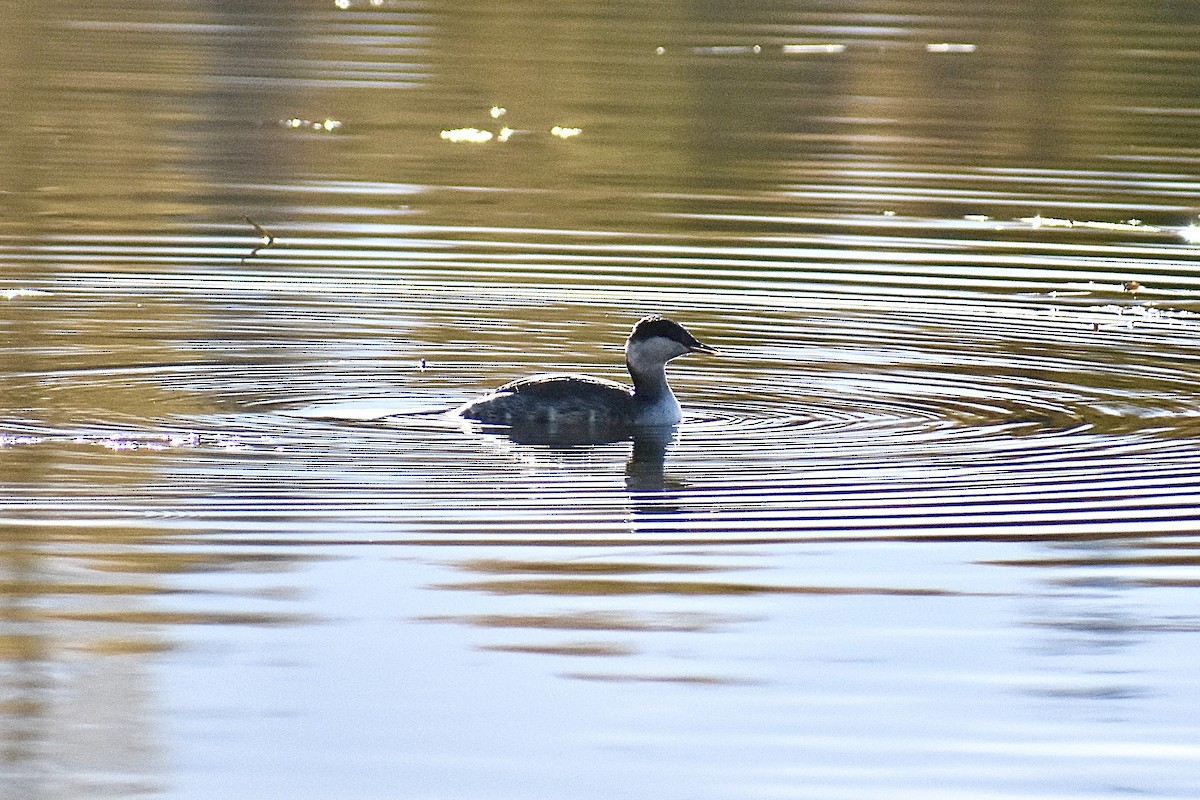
x: 573, y: 401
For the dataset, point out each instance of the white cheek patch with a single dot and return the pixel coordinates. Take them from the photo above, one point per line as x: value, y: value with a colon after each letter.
x: 658, y: 350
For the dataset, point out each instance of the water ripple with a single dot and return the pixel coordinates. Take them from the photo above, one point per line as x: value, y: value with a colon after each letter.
x: 856, y: 414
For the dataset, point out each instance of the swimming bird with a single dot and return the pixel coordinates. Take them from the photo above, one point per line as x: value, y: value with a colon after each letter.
x: 581, y: 402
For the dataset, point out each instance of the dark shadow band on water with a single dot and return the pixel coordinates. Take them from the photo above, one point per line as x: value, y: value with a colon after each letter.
x: 645, y: 471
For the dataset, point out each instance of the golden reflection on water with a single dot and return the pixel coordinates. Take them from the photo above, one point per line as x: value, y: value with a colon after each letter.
x: 690, y: 622
x: 66, y: 576
x: 565, y: 649
x: 597, y: 587
x: 885, y: 103
x: 87, y: 616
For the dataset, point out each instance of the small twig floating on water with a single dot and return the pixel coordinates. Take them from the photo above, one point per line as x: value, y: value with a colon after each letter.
x: 267, y: 239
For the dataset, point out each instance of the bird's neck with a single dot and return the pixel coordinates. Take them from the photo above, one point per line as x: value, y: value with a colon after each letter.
x: 652, y: 397
x: 649, y: 380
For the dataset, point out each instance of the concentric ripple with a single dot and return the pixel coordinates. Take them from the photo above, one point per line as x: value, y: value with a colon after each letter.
x: 864, y: 416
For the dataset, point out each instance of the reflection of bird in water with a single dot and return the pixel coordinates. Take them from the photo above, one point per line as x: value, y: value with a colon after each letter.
x: 569, y: 409
x: 644, y: 472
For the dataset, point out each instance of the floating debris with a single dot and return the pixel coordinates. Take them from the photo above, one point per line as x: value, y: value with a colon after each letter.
x: 565, y: 133
x: 267, y: 239
x: 1131, y: 286
x: 496, y: 112
x: 1190, y: 234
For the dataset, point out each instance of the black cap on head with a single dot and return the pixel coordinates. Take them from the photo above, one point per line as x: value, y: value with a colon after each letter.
x: 649, y: 327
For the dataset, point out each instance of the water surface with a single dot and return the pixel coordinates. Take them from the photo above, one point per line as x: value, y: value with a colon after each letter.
x: 928, y: 528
